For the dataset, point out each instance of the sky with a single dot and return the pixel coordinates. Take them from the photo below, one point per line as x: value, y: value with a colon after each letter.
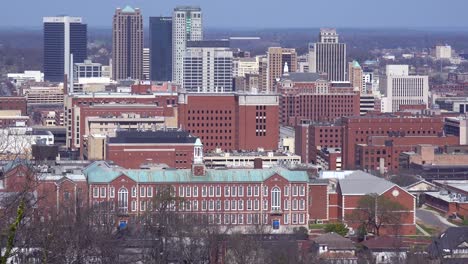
x: 253, y: 13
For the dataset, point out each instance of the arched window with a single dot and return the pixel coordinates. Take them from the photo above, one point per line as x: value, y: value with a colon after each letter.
x: 123, y: 198
x: 275, y: 199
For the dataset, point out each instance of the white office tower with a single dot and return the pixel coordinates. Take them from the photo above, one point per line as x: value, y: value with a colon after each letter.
x: 146, y: 64
x: 443, y: 52
x: 186, y: 25
x: 208, y: 66
x: 400, y: 88
x: 328, y: 56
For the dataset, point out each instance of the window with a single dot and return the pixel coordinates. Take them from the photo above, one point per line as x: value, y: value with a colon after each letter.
x: 226, y: 205
x: 301, y: 218
x: 203, y: 205
x: 66, y: 195
x: 227, y: 191
x: 95, y: 192
x: 195, y: 191
x: 294, y: 204
x: 218, y: 191
x: 241, y: 219
x: 142, y: 205
x: 286, y: 190
x: 256, y: 205
x: 249, y: 219
x: 188, y: 191
x: 233, y: 205
x: 233, y: 191
x: 188, y: 205
x: 241, y: 191
x: 149, y: 192
x: 142, y: 191
x: 103, y: 192
x: 241, y: 205
x: 181, y: 191
x: 211, y: 205
x: 195, y: 205
x: 286, y: 219
x: 302, y: 191
x: 295, y: 190
x: 275, y: 199
x: 134, y: 205
x: 203, y: 191
x: 218, y: 205
x: 123, y: 198
x: 111, y: 192
x: 134, y: 192
x: 249, y: 205
x: 301, y: 204
x: 256, y: 191
x: 218, y: 219
x: 265, y: 190
x: 286, y: 204
x: 249, y: 191
x: 265, y: 204
x: 294, y: 218
x: 233, y: 219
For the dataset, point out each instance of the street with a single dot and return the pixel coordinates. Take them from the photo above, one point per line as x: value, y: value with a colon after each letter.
x: 432, y: 218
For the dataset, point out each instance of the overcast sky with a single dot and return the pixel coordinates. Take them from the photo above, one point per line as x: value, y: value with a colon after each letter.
x: 254, y: 13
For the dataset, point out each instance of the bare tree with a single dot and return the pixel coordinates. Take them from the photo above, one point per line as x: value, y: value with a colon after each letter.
x: 374, y: 211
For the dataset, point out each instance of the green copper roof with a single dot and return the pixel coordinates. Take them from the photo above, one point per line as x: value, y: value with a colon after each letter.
x: 356, y: 64
x: 101, y: 172
x: 128, y: 9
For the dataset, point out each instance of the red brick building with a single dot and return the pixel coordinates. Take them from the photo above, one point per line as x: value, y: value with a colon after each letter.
x: 238, y: 198
x: 310, y: 96
x: 14, y: 103
x: 385, y: 150
x: 311, y: 137
x: 346, y: 189
x: 132, y: 149
x: 356, y: 130
x: 116, y: 104
x: 231, y: 121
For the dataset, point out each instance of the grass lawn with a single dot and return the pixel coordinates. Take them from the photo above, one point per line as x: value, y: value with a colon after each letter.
x: 428, y: 229
x: 316, y: 226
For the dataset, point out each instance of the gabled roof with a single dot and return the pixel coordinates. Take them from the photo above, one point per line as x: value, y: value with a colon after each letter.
x: 451, y: 239
x: 385, y: 243
x: 101, y: 172
x: 433, y: 186
x: 335, y: 241
x: 15, y: 163
x: 361, y: 183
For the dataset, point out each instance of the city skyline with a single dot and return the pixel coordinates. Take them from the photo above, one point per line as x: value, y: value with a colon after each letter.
x: 388, y: 14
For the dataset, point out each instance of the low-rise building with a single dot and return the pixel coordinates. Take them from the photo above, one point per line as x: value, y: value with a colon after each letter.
x: 335, y: 249
x: 248, y: 159
x: 451, y: 245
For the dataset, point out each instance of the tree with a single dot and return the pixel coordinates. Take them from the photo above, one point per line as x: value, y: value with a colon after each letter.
x: 375, y: 211
x: 338, y: 228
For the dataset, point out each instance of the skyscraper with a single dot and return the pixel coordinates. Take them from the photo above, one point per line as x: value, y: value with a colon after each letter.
x: 278, y: 58
x: 355, y: 75
x: 328, y: 56
x: 186, y: 25
x: 127, y: 44
x: 400, y: 88
x: 63, y: 36
x: 208, y: 66
x: 146, y: 64
x: 161, y: 48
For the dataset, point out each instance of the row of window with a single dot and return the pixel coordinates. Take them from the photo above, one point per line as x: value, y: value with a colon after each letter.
x: 206, y: 191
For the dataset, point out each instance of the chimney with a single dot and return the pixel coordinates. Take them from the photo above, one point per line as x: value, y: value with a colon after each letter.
x: 258, y: 164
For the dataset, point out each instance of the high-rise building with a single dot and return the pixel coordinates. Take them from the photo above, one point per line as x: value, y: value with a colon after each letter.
x: 65, y: 40
x: 400, y: 88
x: 278, y: 58
x: 207, y: 66
x: 127, y: 44
x: 186, y: 25
x: 355, y: 74
x: 161, y: 48
x: 146, y: 64
x: 262, y: 73
x: 328, y: 56
x: 443, y: 52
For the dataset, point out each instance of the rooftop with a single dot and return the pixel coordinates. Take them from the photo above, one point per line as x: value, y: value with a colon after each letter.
x: 101, y: 172
x: 303, y: 77
x: 208, y: 44
x: 334, y: 241
x: 360, y: 182
x: 152, y: 137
